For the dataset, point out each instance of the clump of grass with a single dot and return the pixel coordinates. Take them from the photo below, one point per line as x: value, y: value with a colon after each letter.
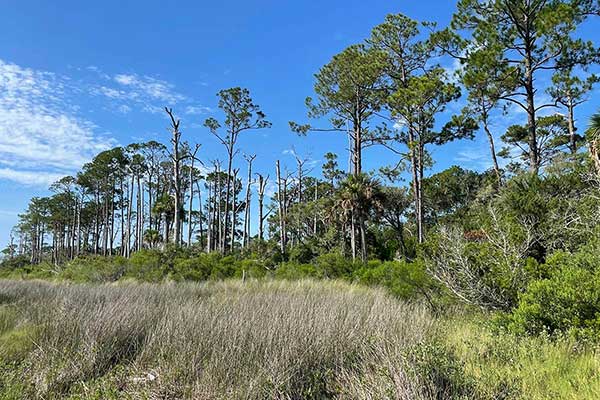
x: 503, y: 365
x: 219, y: 340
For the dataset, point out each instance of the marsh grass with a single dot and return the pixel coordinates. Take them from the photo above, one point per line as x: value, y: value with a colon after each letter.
x: 221, y: 340
x: 506, y: 366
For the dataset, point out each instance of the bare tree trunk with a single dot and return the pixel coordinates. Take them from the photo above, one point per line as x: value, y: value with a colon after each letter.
x: 246, y: 234
x: 233, y: 210
x: 353, y: 235
x: 315, y: 214
x: 492, y: 147
x: 150, y: 201
x: 363, y: 239
x: 129, y: 214
x: 122, y: 184
x: 416, y: 184
x: 112, y: 220
x: 531, y: 122
x: 193, y: 159
x: 209, y: 217
x: 219, y: 216
x: 105, y: 229
x: 421, y: 157
x: 200, y: 227
x: 262, y: 185
x: 227, y: 199
x: 176, y: 175
x: 139, y: 215
x: 78, y: 249
x: 571, y: 125
x: 281, y: 202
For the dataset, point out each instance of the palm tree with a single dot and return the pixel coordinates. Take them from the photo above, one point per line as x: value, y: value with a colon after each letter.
x: 593, y: 137
x: 357, y: 196
x: 152, y: 237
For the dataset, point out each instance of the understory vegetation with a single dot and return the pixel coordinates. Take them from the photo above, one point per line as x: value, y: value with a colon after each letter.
x: 267, y: 339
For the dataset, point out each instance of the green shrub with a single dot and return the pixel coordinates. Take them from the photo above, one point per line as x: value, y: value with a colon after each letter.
x: 191, y: 269
x: 94, y: 269
x: 148, y: 266
x: 10, y: 264
x: 335, y: 265
x: 301, y: 253
x: 223, y: 267
x: 293, y: 271
x: 403, y: 279
x: 251, y: 268
x: 567, y: 300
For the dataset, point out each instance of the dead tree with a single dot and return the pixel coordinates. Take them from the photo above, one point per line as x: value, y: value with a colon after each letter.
x: 193, y: 158
x: 234, y: 209
x: 246, y: 235
x: 262, y: 185
x: 176, y: 158
x: 282, y: 200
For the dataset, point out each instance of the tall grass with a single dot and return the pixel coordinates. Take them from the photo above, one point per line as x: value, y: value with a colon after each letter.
x: 505, y: 366
x: 221, y: 340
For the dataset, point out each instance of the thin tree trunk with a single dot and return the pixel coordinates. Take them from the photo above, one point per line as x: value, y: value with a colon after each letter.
x: 353, y: 235
x: 571, y: 125
x: 415, y: 182
x: 492, y: 147
x: 531, y: 122
x: 176, y: 175
x: 280, y: 200
x: 200, y: 225
x: 315, y: 214
x: 190, y: 205
x: 227, y: 199
x: 262, y: 184
x: 209, y: 215
x: 247, y: 208
x: 233, y: 210
x: 363, y: 239
x: 219, y: 215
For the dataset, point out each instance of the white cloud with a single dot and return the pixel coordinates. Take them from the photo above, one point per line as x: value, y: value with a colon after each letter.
x: 198, y: 110
x: 41, y: 138
x: 125, y: 79
x: 146, y: 86
x: 33, y: 178
x: 145, y: 93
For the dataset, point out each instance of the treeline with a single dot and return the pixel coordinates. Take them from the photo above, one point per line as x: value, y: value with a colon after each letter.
x: 389, y: 91
x: 486, y: 236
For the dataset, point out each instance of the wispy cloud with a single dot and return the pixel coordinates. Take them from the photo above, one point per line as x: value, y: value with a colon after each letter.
x: 31, y: 178
x: 41, y: 136
x: 146, y: 86
x: 127, y: 92
x: 198, y: 110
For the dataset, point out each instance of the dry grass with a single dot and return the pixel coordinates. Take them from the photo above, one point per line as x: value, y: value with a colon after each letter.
x: 224, y: 340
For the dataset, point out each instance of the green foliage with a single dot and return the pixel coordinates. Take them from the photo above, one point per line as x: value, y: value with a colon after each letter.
x: 403, y: 279
x: 301, y: 253
x: 566, y: 300
x: 293, y: 271
x: 95, y: 269
x: 501, y: 365
x: 147, y: 265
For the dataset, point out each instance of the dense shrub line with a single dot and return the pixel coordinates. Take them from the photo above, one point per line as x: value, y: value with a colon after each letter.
x: 403, y: 279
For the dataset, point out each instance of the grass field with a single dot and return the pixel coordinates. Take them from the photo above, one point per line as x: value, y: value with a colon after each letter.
x: 267, y: 340
x: 226, y: 340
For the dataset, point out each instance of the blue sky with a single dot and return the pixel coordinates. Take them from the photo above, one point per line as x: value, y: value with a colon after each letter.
x: 80, y: 76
